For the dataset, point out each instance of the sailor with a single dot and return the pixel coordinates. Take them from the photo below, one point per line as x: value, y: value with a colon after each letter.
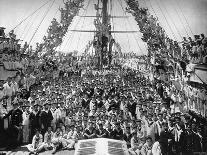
x: 109, y: 130
x: 150, y: 127
x: 135, y: 144
x: 158, y: 126
x: 36, y: 142
x: 118, y: 132
x: 167, y: 139
x: 147, y: 147
x: 45, y: 118
x: 127, y: 136
x: 53, y: 109
x: 25, y: 123
x: 34, y: 120
x: 90, y: 132
x: 141, y: 130
x: 72, y: 136
x: 16, y: 123
x: 101, y: 132
x: 47, y: 144
x: 57, y: 140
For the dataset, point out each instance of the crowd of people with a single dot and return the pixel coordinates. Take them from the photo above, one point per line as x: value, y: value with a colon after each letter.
x: 170, y: 60
x: 47, y: 107
x: 55, y: 32
x: 56, y: 113
x: 191, y: 50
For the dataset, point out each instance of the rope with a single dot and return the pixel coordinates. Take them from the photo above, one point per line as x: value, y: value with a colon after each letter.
x: 30, y: 15
x: 155, y: 14
x: 131, y: 27
x: 112, y: 18
x: 185, y: 18
x: 172, y: 20
x: 28, y: 28
x: 181, y: 21
x: 25, y: 29
x: 53, y: 17
x: 175, y: 38
x: 72, y: 35
x: 124, y: 13
x: 42, y: 20
x: 83, y: 24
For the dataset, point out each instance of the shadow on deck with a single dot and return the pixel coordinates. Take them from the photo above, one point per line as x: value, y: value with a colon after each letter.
x: 24, y: 151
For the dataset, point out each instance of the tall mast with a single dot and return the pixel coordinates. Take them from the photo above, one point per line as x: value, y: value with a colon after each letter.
x: 104, y: 12
x: 101, y: 44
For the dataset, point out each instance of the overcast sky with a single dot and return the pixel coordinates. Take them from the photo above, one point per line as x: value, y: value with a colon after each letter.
x: 178, y: 17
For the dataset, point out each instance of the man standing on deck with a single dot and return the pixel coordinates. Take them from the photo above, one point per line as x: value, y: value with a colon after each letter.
x: 16, y: 124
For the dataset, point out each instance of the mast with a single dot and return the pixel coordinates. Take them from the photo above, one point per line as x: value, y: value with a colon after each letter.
x: 104, y: 12
x: 104, y: 37
x: 101, y: 44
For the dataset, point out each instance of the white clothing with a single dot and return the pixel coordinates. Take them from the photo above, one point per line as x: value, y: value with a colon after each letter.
x: 156, y: 150
x: 36, y: 143
x: 159, y: 126
x: 25, y: 116
x: 48, y: 137
x: 14, y: 86
x: 72, y: 135
x: 57, y: 114
x: 8, y: 90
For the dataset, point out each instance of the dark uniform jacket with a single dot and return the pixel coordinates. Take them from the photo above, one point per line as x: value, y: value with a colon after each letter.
x: 85, y: 103
x: 14, y: 132
x: 90, y: 132
x: 110, y: 134
x: 165, y: 145
x: 35, y: 120
x: 127, y: 137
x: 45, y: 119
x: 118, y: 134
x: 101, y: 133
x: 190, y: 142
x: 99, y: 104
x: 16, y: 117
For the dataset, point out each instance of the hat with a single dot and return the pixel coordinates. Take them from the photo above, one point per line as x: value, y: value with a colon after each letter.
x: 171, y: 119
x: 25, y: 105
x: 177, y: 112
x: 15, y: 103
x: 187, y: 116
x: 36, y: 104
x: 156, y: 108
x: 145, y: 111
x: 159, y: 114
x: 134, y: 132
x: 46, y: 103
x: 177, y: 118
x: 138, y: 120
x: 2, y: 28
x: 149, y: 114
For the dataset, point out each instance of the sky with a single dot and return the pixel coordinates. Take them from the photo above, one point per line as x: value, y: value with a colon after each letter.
x: 178, y: 17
